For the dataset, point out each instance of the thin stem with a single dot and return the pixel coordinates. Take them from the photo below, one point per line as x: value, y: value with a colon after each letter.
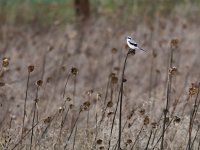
x: 149, y: 140
x: 168, y: 99
x: 26, y: 95
x: 68, y: 76
x: 74, y: 138
x: 72, y: 130
x: 35, y: 104
x: 137, y: 137
x: 121, y: 97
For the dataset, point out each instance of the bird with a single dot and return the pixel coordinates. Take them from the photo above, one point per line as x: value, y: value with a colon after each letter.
x: 133, y: 44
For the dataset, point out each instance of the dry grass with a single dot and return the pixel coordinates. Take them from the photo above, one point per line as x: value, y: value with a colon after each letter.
x: 73, y: 104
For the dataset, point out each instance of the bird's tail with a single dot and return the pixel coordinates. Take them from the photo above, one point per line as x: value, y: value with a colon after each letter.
x: 142, y: 49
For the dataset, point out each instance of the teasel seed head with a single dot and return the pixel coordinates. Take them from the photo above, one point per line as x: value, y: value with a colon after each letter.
x: 39, y: 83
x: 30, y: 68
x: 74, y: 71
x: 5, y: 62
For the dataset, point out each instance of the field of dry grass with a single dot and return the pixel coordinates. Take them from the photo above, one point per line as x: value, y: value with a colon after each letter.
x: 58, y: 93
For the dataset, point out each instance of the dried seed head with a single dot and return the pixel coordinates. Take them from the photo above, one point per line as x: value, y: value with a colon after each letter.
x: 193, y: 89
x: 110, y: 113
x: 36, y: 100
x: 71, y: 106
x: 61, y: 109
x: 85, y: 106
x: 173, y: 70
x: 154, y: 125
x: 129, y: 141
x: 146, y: 120
x: 2, y: 84
x: 39, y: 83
x: 110, y: 104
x: 5, y: 62
x: 114, y: 50
x: 124, y: 80
x: 101, y: 147
x: 68, y: 99
x: 99, y: 141
x: 131, y: 51
x: 30, y: 68
x: 47, y: 120
x: 142, y: 111
x: 114, y: 80
x: 90, y: 92
x: 174, y: 43
x: 177, y: 120
x: 74, y: 71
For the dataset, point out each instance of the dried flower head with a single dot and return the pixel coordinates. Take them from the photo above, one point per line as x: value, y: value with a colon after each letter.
x: 47, y: 120
x: 89, y: 92
x: 5, y: 62
x: 110, y: 104
x: 173, y: 70
x: 71, y: 106
x: 61, y: 109
x: 142, y: 111
x: 129, y: 141
x: 99, y: 141
x: 39, y: 83
x: 85, y: 106
x: 36, y: 100
x: 174, y: 43
x: 2, y: 84
x: 114, y: 50
x: 74, y: 71
x: 110, y: 113
x: 30, y: 68
x: 101, y: 147
x: 131, y: 51
x: 68, y: 99
x: 154, y: 125
x: 124, y: 80
x: 146, y: 120
x: 177, y: 120
x: 193, y: 89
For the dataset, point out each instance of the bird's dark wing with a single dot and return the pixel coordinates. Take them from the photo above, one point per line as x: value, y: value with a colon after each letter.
x: 132, y: 43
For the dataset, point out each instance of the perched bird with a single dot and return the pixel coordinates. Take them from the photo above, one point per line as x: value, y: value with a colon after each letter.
x: 132, y: 44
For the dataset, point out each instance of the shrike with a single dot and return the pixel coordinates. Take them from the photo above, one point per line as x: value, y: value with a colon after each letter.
x: 132, y: 44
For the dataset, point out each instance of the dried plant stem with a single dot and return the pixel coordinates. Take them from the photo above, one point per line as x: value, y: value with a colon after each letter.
x: 195, y: 137
x: 169, y: 82
x: 154, y: 135
x: 33, y: 121
x: 74, y: 138
x: 162, y: 135
x: 68, y: 76
x: 65, y: 147
x: 192, y: 117
x: 121, y: 100
x: 137, y: 137
x: 24, y: 136
x: 118, y: 139
x: 26, y: 95
x: 149, y: 140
